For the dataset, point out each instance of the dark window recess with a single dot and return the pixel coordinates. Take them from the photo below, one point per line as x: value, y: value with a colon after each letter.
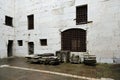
x: 30, y: 22
x: 20, y: 42
x: 8, y: 21
x: 81, y: 15
x: 43, y: 42
x: 74, y: 40
x: 10, y: 48
x: 31, y: 48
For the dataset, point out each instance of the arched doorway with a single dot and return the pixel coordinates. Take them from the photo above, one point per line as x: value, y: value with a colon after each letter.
x: 74, y: 40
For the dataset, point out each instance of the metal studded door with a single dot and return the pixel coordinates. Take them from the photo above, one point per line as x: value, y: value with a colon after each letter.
x: 74, y: 40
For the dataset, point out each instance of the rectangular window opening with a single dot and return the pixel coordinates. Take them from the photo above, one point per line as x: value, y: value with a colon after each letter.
x: 20, y: 42
x: 30, y: 22
x: 43, y: 42
x: 81, y: 15
x: 8, y: 21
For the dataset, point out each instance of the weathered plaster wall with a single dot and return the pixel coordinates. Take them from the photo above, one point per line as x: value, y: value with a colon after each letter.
x: 54, y: 16
x: 6, y: 32
x: 51, y: 17
x: 103, y: 34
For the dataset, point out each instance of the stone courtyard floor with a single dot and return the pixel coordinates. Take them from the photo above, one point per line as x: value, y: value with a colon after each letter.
x: 18, y: 69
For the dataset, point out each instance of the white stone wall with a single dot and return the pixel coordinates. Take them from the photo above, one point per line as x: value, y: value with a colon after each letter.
x: 103, y: 34
x: 51, y: 17
x: 6, y: 32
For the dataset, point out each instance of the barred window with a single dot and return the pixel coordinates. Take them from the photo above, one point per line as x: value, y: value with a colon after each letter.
x: 81, y: 15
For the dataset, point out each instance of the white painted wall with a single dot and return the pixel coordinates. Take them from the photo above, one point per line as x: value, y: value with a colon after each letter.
x: 103, y: 33
x: 6, y: 32
x: 51, y: 17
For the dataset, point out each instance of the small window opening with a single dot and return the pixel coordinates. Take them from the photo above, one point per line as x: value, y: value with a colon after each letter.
x: 43, y: 42
x: 8, y: 21
x: 20, y: 42
x: 30, y: 22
